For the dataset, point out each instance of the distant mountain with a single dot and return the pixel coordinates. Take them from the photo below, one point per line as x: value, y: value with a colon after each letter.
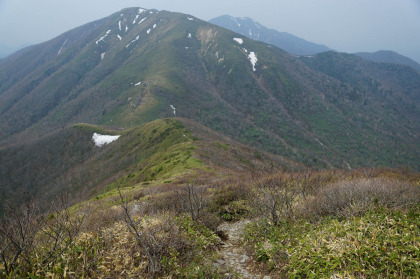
x: 386, y: 56
x: 254, y: 30
x: 139, y: 65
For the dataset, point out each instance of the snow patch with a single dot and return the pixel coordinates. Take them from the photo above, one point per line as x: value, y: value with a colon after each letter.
x: 101, y: 140
x: 126, y: 28
x: 148, y: 30
x: 245, y: 50
x: 102, y: 56
x: 103, y: 37
x: 253, y: 58
x: 154, y: 26
x: 119, y: 37
x: 119, y: 25
x: 250, y: 32
x: 138, y: 83
x: 151, y: 12
x: 190, y: 18
x: 134, y: 21
x: 172, y: 107
x: 142, y: 11
x: 239, y: 40
x: 189, y: 36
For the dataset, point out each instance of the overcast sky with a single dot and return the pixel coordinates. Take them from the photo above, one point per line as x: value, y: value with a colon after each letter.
x: 344, y: 25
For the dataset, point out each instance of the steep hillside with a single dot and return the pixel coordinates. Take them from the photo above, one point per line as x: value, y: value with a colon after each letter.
x: 384, y: 56
x: 69, y: 160
x: 254, y: 30
x: 137, y: 66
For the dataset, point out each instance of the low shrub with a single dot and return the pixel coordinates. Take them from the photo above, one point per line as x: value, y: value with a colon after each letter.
x: 274, y: 197
x: 234, y: 211
x: 354, y: 197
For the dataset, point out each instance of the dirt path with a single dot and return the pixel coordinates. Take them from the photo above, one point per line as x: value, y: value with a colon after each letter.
x: 233, y: 259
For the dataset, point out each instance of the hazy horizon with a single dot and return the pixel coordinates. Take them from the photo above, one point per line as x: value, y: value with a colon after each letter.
x: 346, y: 26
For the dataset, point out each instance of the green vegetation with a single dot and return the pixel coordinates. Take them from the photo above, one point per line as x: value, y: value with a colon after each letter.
x: 69, y: 160
x: 170, y: 197
x: 381, y: 243
x: 330, y: 110
x: 167, y: 152
x: 362, y: 224
x: 357, y: 228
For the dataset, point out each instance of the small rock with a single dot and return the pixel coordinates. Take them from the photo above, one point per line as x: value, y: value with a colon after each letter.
x: 244, y: 258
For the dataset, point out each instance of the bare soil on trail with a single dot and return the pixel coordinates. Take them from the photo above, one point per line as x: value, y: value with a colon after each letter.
x: 233, y: 260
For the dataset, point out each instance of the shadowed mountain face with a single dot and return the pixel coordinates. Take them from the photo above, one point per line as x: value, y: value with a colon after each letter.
x: 138, y: 65
x: 254, y: 30
x: 384, y: 56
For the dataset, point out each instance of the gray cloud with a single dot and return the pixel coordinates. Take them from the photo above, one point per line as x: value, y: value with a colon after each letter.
x: 344, y: 25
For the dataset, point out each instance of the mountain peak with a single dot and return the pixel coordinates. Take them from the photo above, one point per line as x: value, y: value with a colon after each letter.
x: 389, y: 56
x: 140, y: 65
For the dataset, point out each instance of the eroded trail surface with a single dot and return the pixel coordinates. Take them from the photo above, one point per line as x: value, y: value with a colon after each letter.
x: 233, y: 259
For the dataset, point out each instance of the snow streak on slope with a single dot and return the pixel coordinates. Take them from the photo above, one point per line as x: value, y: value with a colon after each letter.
x: 62, y: 46
x: 103, y: 37
x: 136, y: 39
x: 142, y: 20
x: 253, y: 58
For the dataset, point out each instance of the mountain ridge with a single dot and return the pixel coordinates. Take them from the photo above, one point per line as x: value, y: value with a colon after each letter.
x: 165, y: 149
x: 254, y: 30
x: 167, y: 63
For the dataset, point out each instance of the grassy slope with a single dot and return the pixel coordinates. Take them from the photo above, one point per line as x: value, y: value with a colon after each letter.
x: 68, y: 159
x: 161, y: 150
